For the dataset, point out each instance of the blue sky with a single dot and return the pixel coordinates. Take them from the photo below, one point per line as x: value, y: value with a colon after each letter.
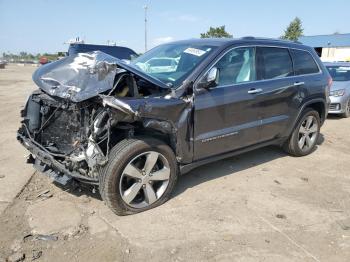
x: 44, y: 25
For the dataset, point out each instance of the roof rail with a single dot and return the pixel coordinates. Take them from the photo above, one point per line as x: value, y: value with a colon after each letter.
x: 248, y: 37
x: 270, y: 39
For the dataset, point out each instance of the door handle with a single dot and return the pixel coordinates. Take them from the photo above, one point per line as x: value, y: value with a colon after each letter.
x: 299, y: 83
x: 255, y: 91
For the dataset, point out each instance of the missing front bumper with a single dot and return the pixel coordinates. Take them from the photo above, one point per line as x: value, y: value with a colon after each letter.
x: 48, y: 165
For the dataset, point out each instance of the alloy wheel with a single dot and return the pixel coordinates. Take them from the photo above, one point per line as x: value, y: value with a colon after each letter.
x: 308, y: 133
x: 144, y: 179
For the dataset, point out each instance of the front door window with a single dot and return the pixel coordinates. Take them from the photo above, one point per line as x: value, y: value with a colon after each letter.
x: 237, y: 66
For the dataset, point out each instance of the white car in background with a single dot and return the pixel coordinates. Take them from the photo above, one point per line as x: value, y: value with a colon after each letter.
x: 340, y: 90
x: 159, y: 65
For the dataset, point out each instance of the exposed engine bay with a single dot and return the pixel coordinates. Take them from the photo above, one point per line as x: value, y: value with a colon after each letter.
x: 75, y: 134
x: 85, y: 105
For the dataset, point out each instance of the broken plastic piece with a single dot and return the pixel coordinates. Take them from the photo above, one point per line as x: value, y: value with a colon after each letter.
x: 117, y: 104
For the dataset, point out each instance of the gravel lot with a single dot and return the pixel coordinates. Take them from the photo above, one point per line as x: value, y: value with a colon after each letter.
x: 260, y: 206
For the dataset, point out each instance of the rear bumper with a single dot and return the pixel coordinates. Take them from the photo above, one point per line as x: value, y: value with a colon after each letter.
x: 45, y: 163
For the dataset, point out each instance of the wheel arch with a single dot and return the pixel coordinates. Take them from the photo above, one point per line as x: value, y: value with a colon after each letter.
x: 318, y: 104
x: 166, y: 138
x: 320, y: 107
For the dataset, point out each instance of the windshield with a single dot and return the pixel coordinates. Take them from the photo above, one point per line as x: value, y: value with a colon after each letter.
x: 339, y: 73
x: 172, y: 63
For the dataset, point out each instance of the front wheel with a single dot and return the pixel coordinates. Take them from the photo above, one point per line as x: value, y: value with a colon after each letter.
x: 305, y: 135
x: 140, y: 175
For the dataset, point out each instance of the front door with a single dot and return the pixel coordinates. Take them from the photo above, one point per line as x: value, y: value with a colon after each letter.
x: 226, y: 115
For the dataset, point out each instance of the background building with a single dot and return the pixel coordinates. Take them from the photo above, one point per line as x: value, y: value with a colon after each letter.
x: 334, y: 47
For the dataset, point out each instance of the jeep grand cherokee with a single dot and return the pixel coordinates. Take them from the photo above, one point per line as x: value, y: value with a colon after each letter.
x: 132, y: 130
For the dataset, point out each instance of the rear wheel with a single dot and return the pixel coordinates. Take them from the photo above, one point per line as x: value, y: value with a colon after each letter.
x: 140, y: 175
x: 305, y: 135
x: 346, y: 114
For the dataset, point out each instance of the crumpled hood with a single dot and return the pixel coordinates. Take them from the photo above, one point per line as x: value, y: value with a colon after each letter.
x: 84, y: 75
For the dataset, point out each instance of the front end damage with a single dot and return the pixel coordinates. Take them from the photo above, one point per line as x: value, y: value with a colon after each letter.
x: 67, y: 139
x: 88, y: 103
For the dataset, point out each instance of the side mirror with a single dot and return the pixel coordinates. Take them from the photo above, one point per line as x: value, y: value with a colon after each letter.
x: 212, y: 75
x: 210, y: 79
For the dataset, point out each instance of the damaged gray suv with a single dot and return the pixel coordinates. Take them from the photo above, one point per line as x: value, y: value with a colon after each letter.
x: 133, y: 128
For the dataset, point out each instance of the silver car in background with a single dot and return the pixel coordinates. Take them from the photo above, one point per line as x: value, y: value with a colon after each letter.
x: 340, y: 90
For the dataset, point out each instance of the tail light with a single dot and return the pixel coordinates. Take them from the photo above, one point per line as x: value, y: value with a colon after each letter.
x: 329, y: 84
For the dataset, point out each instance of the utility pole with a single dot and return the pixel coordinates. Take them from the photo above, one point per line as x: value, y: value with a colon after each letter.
x: 146, y: 8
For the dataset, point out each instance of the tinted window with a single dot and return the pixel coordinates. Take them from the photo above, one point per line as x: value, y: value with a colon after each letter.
x: 274, y: 63
x: 304, y: 62
x: 339, y: 73
x: 237, y: 66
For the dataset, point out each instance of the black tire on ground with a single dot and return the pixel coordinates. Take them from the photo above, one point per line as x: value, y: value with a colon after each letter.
x: 291, y: 145
x: 119, y: 157
x: 347, y: 110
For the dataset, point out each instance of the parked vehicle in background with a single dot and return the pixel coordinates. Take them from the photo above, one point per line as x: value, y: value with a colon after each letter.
x: 340, y: 91
x: 159, y: 65
x: 98, y: 120
x: 120, y: 52
x: 2, y: 64
x: 43, y: 60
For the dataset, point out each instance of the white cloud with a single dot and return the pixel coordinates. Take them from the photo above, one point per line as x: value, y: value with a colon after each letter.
x: 162, y: 40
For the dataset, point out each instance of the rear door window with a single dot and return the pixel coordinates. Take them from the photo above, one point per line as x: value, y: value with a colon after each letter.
x: 304, y: 63
x: 274, y: 63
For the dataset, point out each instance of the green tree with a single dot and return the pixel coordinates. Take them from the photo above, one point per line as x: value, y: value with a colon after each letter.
x: 216, y: 32
x: 23, y: 54
x: 294, y: 30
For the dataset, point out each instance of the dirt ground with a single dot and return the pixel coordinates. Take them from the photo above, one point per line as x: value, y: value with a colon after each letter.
x: 15, y: 86
x: 260, y: 206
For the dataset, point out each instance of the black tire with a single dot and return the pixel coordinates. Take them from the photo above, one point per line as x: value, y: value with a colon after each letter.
x: 119, y: 157
x: 291, y: 145
x: 347, y: 110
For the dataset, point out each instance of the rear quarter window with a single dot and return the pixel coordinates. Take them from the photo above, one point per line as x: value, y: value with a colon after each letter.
x: 274, y: 63
x: 304, y: 63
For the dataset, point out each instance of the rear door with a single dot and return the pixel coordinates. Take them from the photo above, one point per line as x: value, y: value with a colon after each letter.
x: 279, y: 90
x: 225, y: 116
x: 312, y: 81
